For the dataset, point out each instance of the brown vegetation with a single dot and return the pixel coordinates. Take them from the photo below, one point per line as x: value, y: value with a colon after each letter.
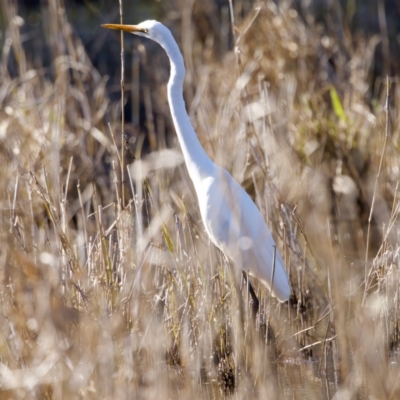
x: 112, y: 289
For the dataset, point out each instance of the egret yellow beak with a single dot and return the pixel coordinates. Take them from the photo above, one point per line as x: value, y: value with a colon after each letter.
x: 126, y: 28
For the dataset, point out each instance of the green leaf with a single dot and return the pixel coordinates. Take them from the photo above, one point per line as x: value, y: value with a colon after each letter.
x: 337, y: 104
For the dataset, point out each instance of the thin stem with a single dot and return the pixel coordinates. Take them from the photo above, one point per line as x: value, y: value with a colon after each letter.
x: 270, y: 293
x: 121, y: 18
x: 376, y: 182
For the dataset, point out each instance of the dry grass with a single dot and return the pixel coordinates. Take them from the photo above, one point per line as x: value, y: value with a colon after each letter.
x: 112, y: 290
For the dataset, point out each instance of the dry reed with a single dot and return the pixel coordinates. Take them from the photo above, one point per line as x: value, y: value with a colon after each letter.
x: 110, y: 287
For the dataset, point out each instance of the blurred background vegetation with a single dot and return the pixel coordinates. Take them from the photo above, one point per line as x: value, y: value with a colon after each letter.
x: 109, y: 285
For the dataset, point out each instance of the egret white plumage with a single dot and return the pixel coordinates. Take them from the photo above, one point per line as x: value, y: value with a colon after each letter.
x: 231, y: 219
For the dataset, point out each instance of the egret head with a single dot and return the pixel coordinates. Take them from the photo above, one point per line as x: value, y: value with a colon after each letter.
x: 149, y: 29
x: 162, y: 35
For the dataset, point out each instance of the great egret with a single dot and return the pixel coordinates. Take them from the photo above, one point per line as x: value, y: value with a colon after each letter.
x: 232, y: 220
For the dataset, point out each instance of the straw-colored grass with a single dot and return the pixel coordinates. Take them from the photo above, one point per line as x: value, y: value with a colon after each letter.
x: 112, y: 289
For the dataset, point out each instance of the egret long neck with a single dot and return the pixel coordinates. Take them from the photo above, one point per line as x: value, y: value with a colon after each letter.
x: 197, y: 161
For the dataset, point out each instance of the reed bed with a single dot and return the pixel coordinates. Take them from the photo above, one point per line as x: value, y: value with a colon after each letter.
x: 109, y: 285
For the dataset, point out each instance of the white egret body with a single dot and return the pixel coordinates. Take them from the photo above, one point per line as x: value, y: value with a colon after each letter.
x: 232, y: 220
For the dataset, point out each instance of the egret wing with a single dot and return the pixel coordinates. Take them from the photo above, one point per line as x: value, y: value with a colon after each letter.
x: 237, y: 227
